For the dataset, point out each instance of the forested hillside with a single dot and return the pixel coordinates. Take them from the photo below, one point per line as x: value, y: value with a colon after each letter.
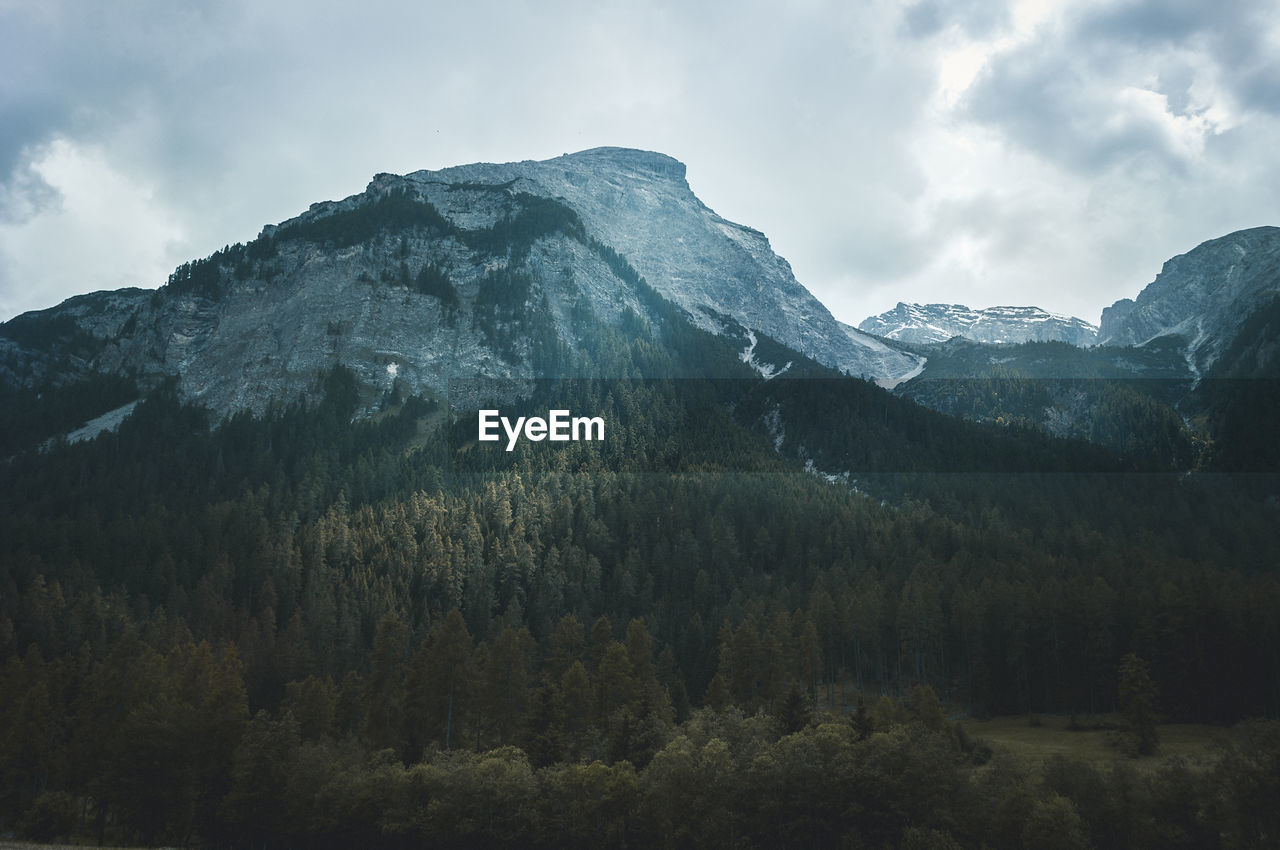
x: 304, y: 629
x: 747, y: 617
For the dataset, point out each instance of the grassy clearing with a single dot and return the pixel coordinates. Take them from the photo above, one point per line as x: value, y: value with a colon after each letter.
x: 1193, y: 742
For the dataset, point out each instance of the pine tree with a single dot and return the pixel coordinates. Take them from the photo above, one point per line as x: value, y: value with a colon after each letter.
x: 1139, y: 702
x: 793, y: 714
x: 717, y: 696
x: 384, y: 691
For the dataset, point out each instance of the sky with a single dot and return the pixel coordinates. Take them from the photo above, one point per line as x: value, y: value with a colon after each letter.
x: 979, y: 152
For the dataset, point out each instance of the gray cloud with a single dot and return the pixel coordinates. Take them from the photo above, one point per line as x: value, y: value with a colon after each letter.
x: 1237, y: 37
x: 26, y: 194
x: 975, y: 18
x: 1117, y: 82
x: 1148, y: 22
x: 1049, y: 101
x: 1233, y: 30
x: 816, y: 122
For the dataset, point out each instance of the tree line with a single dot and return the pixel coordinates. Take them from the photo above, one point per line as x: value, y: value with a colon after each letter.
x: 303, y: 628
x: 197, y: 617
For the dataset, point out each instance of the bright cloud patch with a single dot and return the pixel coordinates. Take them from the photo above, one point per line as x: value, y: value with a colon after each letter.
x: 101, y: 230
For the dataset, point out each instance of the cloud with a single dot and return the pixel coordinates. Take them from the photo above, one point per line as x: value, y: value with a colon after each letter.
x: 100, y: 213
x: 1107, y: 84
x: 965, y: 152
x: 26, y: 194
x: 236, y: 115
x: 974, y: 18
x: 1238, y: 41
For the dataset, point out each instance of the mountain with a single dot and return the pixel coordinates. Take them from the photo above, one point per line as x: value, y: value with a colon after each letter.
x: 923, y: 323
x: 640, y: 204
x: 233, y: 617
x: 480, y: 279
x: 1201, y: 297
x: 1164, y: 380
x: 489, y: 271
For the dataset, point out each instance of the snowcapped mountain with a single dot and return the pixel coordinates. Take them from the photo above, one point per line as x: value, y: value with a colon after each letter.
x: 477, y: 271
x: 1162, y: 365
x: 926, y: 323
x: 1202, y: 297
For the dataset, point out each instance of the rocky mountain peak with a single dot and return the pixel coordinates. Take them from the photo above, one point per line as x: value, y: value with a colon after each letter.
x: 629, y: 159
x: 931, y: 323
x: 466, y: 271
x: 1201, y: 296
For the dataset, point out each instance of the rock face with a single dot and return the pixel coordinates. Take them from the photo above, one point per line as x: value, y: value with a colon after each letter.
x: 1202, y: 296
x: 469, y: 272
x: 640, y: 204
x: 926, y: 323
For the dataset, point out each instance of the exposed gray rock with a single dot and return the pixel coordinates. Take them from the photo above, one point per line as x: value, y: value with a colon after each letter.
x: 274, y: 321
x: 1115, y: 315
x: 926, y: 323
x: 1202, y: 296
x: 640, y: 204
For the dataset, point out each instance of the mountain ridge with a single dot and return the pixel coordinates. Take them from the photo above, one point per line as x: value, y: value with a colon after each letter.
x: 929, y: 323
x: 503, y: 273
x: 1202, y: 296
x: 436, y: 274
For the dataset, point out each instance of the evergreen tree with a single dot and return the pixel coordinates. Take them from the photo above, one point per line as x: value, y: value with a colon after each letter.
x: 1139, y: 702
x: 793, y: 713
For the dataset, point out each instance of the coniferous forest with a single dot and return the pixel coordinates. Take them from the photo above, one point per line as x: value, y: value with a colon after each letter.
x: 654, y: 426
x: 342, y: 624
x: 304, y: 629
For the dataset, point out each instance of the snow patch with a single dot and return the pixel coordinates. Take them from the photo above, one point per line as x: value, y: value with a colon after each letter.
x: 1193, y: 348
x: 773, y: 422
x: 768, y: 371
x: 829, y: 477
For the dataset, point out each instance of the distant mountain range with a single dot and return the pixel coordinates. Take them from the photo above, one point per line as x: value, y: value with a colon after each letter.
x: 1165, y: 363
x: 1200, y: 298
x: 998, y: 325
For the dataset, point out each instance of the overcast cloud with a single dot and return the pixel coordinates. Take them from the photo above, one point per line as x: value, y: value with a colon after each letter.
x: 967, y: 152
